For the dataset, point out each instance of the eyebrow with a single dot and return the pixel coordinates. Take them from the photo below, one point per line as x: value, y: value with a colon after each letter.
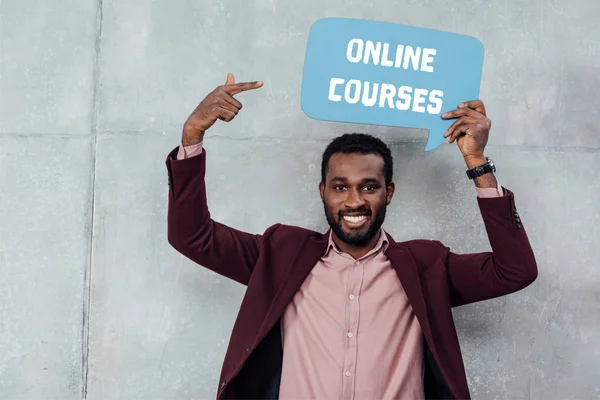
x: 365, y: 180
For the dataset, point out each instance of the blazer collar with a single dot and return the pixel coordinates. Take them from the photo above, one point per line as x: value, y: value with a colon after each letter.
x: 309, y: 252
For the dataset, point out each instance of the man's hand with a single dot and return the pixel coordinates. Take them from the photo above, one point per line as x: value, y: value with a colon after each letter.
x: 219, y: 104
x: 470, y: 130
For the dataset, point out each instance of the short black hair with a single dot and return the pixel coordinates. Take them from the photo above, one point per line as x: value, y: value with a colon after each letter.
x: 359, y: 143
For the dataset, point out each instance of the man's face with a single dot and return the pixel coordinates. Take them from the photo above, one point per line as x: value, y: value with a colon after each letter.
x: 355, y: 196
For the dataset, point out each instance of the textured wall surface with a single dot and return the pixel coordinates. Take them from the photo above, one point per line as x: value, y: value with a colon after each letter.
x: 95, y: 304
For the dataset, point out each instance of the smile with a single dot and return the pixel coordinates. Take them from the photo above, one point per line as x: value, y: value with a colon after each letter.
x: 355, y: 221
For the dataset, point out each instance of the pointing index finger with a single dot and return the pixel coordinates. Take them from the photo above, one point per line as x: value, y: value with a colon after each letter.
x: 242, y: 87
x: 460, y: 112
x: 476, y: 105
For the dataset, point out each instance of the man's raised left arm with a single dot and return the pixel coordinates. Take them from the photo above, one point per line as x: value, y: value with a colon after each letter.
x: 511, y: 265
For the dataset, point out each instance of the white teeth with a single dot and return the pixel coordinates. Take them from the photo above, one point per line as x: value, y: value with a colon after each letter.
x: 354, y: 220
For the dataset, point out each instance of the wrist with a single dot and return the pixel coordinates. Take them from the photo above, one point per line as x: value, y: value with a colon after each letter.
x: 190, y: 141
x: 475, y: 161
x: 191, y: 136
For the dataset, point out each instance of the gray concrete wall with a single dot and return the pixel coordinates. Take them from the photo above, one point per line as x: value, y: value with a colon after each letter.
x: 95, y: 304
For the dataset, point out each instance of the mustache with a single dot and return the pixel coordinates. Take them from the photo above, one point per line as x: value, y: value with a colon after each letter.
x: 361, y: 211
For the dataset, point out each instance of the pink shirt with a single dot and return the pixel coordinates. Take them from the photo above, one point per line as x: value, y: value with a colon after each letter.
x: 350, y: 332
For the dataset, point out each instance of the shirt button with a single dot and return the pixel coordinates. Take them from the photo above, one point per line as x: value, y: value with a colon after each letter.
x: 351, y: 297
x: 348, y: 373
x: 350, y: 334
x: 357, y: 263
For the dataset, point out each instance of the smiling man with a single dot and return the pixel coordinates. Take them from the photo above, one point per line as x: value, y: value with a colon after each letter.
x: 356, y: 187
x: 350, y: 313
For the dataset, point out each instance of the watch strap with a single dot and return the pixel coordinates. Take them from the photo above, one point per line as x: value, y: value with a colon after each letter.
x: 482, y: 169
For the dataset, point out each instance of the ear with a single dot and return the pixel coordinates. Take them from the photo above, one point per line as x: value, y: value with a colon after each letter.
x: 322, y: 191
x: 390, y: 193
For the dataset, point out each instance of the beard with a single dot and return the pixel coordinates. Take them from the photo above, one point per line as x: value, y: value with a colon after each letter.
x: 357, y: 238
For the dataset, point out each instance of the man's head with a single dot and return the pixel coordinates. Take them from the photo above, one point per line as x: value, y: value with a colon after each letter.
x: 356, y: 186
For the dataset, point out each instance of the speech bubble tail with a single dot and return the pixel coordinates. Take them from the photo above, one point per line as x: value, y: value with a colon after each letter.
x: 434, y: 139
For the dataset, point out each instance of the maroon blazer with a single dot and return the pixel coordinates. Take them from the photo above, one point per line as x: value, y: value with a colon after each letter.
x: 273, y: 265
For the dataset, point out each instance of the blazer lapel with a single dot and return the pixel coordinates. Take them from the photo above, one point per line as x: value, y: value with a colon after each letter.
x: 406, y: 268
x: 309, y: 252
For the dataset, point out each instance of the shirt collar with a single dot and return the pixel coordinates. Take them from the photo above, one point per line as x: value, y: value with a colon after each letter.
x: 382, y: 243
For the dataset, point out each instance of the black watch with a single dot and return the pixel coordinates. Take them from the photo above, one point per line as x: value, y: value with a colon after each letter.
x: 482, y: 169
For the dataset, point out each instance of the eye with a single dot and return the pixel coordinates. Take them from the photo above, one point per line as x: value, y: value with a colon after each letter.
x: 338, y: 187
x: 369, y: 188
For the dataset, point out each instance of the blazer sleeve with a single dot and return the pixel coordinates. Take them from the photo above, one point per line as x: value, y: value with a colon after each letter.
x: 193, y: 233
x: 509, y: 267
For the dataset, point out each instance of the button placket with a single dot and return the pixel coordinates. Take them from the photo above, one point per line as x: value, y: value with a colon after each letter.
x: 355, y: 277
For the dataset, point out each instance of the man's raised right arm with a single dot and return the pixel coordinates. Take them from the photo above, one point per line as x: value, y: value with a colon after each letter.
x: 190, y: 228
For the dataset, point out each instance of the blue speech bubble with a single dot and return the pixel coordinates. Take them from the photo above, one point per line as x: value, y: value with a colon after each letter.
x: 380, y: 73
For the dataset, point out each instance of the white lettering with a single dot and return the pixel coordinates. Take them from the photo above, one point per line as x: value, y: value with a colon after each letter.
x: 354, y: 58
x: 403, y: 94
x: 372, y: 50
x: 435, y: 97
x: 399, y: 52
x: 352, y: 99
x: 427, y: 58
x: 332, y: 84
x: 384, y: 57
x: 387, y: 93
x: 403, y: 98
x: 412, y: 55
x: 367, y: 100
x: 378, y: 53
x: 419, y: 93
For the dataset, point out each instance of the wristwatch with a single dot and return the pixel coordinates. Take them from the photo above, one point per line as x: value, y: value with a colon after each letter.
x: 482, y: 169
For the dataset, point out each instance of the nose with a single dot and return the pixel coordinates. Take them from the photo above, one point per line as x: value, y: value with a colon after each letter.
x: 354, y: 199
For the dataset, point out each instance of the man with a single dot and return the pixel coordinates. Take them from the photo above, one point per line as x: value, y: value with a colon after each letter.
x: 351, y: 313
